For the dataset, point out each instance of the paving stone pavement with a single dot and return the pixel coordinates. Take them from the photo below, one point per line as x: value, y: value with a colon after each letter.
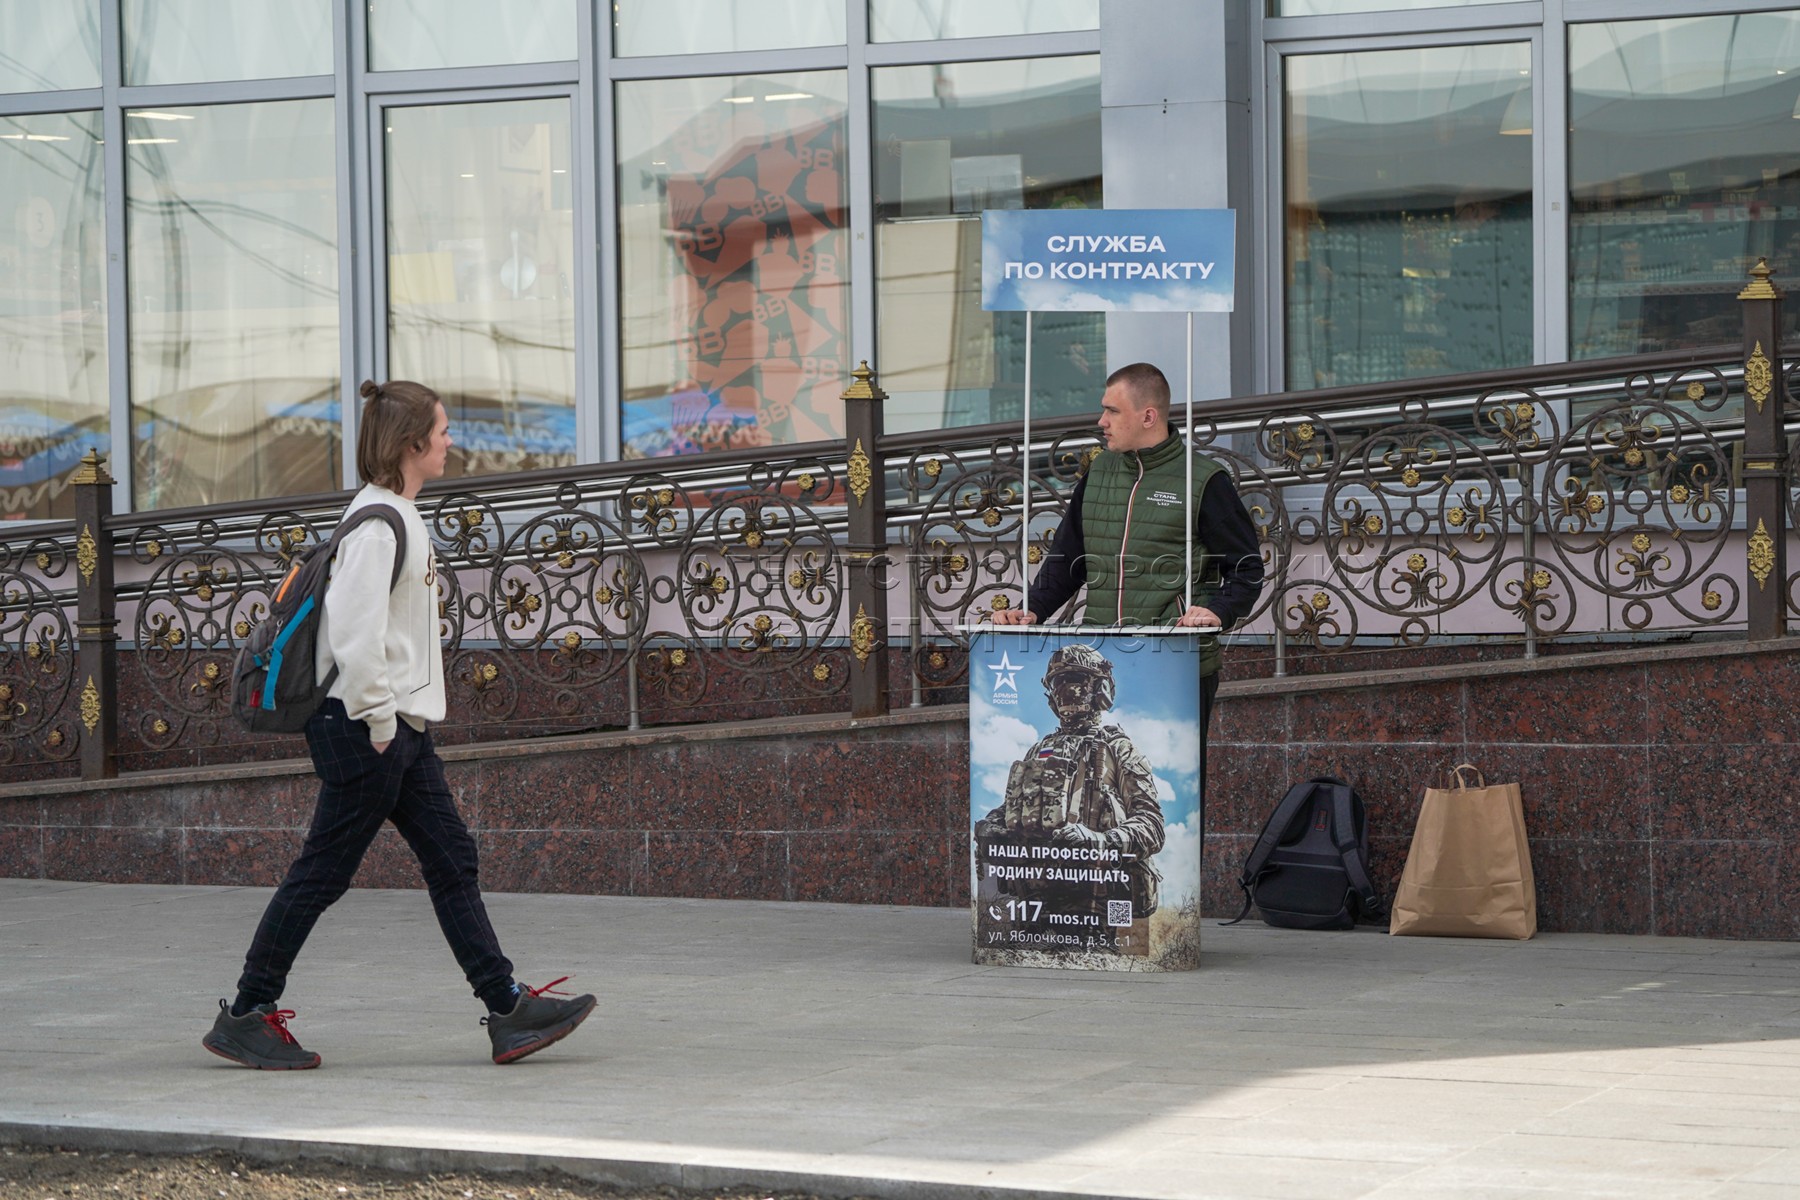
x: 846, y: 1049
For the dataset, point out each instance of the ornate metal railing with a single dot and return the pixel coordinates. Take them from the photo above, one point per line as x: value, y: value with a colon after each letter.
x: 1525, y: 508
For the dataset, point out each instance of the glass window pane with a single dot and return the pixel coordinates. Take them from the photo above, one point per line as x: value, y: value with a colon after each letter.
x: 53, y: 405
x: 950, y: 141
x: 734, y: 261
x: 1313, y: 8
x: 926, y: 20
x: 481, y: 275
x: 709, y: 26
x: 1684, y: 167
x: 407, y: 35
x: 1409, y: 236
x: 46, y: 47
x: 191, y: 41
x: 231, y: 239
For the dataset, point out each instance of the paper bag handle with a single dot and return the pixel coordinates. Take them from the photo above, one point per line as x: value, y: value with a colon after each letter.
x: 1456, y: 776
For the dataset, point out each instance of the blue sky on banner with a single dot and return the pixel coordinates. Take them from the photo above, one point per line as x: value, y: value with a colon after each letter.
x: 1156, y: 703
x: 1108, y: 260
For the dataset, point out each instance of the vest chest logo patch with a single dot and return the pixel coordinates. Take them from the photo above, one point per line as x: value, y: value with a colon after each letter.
x: 1164, y: 499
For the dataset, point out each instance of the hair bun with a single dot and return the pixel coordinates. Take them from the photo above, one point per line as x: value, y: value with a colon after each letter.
x: 369, y: 389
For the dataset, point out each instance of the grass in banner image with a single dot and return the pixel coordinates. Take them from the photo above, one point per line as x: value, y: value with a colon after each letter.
x: 1084, y: 799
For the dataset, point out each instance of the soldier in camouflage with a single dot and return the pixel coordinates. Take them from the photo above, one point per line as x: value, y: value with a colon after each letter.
x: 1085, y: 788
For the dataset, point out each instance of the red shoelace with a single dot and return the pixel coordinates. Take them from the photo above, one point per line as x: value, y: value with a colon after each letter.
x: 539, y: 991
x: 278, y: 1020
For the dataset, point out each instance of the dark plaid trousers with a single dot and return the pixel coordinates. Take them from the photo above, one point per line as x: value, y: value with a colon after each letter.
x: 359, y: 791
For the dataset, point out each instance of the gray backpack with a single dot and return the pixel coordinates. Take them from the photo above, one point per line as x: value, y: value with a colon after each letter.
x: 1308, y: 868
x: 275, y: 684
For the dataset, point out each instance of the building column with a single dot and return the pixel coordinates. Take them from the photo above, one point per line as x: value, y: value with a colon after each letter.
x: 1175, y: 133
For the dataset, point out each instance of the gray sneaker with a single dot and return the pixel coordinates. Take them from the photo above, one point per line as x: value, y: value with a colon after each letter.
x: 535, y: 1022
x: 259, y: 1039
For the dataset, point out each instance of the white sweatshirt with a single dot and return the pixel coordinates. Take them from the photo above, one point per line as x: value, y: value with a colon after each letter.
x: 384, y: 644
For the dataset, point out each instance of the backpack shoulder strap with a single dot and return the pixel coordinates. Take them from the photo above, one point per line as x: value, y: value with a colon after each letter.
x: 1273, y: 829
x: 378, y: 512
x: 1266, y: 842
x: 1343, y: 830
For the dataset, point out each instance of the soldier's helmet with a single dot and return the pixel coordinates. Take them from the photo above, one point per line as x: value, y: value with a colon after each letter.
x: 1078, y: 682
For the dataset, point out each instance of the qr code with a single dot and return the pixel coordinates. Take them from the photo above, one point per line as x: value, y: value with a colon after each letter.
x: 1118, y: 913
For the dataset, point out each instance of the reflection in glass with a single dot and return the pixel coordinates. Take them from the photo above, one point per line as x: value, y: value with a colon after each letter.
x: 481, y: 271
x: 49, y: 45
x: 406, y: 35
x: 190, y: 41
x: 53, y: 404
x: 1684, y: 167
x: 950, y: 141
x: 712, y: 26
x: 231, y: 243
x: 927, y: 20
x: 1409, y: 243
x: 1310, y: 8
x: 733, y: 261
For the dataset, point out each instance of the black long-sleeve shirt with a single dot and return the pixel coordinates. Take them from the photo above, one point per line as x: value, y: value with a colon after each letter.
x: 1220, y: 522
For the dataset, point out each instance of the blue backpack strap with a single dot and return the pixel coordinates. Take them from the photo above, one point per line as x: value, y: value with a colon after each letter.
x: 1343, y: 832
x: 1270, y: 838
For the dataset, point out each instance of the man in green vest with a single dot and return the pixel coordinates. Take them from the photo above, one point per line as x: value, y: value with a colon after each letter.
x: 1124, y: 536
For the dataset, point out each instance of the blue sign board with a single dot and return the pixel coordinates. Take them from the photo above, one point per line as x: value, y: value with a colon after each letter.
x: 1108, y: 260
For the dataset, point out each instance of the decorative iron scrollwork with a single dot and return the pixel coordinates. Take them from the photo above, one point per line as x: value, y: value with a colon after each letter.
x: 1759, y: 377
x: 862, y: 635
x: 861, y: 470
x: 87, y: 554
x: 1761, y: 554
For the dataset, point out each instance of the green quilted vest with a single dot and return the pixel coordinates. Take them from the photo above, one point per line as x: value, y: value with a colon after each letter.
x: 1131, y: 523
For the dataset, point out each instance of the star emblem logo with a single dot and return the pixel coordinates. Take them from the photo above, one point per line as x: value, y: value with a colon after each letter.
x: 1006, y: 673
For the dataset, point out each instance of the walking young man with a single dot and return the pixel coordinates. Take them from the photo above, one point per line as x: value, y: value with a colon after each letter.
x: 373, y: 754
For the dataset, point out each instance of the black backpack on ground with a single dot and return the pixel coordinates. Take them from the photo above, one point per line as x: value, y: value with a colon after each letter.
x: 1308, y: 868
x: 275, y: 684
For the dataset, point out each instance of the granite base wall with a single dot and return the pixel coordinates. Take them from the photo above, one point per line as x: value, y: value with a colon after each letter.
x: 1659, y: 790
x: 775, y: 813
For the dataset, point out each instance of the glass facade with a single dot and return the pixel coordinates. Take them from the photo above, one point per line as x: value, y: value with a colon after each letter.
x: 410, y: 35
x: 194, y: 41
x: 1408, y: 214
x: 734, y: 255
x: 49, y: 47
x: 1684, y: 169
x: 1316, y: 8
x: 481, y: 275
x: 636, y: 230
x: 53, y: 399
x: 928, y: 20
x: 652, y: 27
x: 231, y: 238
x: 954, y: 139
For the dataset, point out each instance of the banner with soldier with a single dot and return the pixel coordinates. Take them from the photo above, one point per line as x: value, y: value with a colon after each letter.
x: 1084, y: 797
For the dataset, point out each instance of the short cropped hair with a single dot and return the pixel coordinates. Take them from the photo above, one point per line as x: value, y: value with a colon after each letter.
x: 1148, y: 386
x: 397, y: 419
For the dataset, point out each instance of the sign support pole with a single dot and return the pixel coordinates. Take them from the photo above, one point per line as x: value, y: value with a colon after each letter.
x: 1025, y: 481
x: 1187, y: 508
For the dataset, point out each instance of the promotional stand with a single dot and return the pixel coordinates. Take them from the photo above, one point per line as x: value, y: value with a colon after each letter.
x: 1084, y: 741
x: 1084, y: 796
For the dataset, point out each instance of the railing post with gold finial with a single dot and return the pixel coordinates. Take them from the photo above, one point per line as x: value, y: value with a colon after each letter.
x: 1765, y: 457
x: 867, y: 545
x: 97, y: 657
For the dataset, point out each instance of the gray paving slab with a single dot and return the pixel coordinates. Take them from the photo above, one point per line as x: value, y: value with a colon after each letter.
x: 855, y: 1049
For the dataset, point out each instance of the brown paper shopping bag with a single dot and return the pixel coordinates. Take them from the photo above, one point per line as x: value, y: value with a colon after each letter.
x: 1468, y: 873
